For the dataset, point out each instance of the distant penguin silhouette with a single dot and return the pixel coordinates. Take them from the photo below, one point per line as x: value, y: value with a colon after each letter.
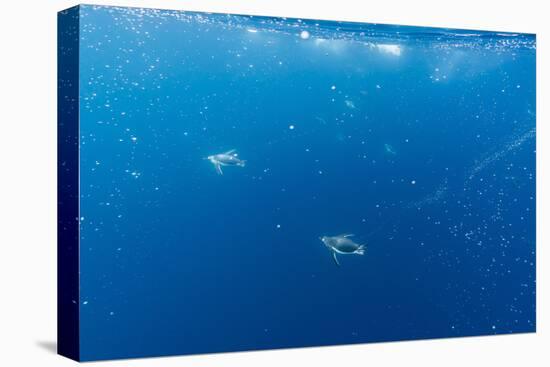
x: 343, y: 245
x: 228, y: 158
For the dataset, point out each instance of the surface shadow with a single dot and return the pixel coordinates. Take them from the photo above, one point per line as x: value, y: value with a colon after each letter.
x: 48, y: 345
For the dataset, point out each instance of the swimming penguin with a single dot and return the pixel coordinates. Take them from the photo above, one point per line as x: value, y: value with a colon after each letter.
x: 389, y: 149
x: 228, y: 158
x: 342, y: 244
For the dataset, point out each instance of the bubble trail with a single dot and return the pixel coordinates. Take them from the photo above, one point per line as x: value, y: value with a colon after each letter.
x: 509, y: 147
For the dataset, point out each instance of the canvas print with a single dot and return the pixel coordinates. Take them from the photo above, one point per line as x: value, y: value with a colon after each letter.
x: 233, y: 183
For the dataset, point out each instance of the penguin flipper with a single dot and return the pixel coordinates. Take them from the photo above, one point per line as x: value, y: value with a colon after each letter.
x: 335, y: 258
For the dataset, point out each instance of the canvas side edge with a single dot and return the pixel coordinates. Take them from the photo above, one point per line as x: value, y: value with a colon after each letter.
x: 68, y: 284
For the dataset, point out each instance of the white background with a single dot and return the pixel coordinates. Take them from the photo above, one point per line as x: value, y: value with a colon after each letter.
x: 28, y: 183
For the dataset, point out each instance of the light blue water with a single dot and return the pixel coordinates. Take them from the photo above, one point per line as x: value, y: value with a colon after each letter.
x: 419, y: 141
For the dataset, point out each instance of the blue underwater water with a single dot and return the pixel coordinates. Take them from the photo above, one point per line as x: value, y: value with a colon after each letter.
x: 419, y: 141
